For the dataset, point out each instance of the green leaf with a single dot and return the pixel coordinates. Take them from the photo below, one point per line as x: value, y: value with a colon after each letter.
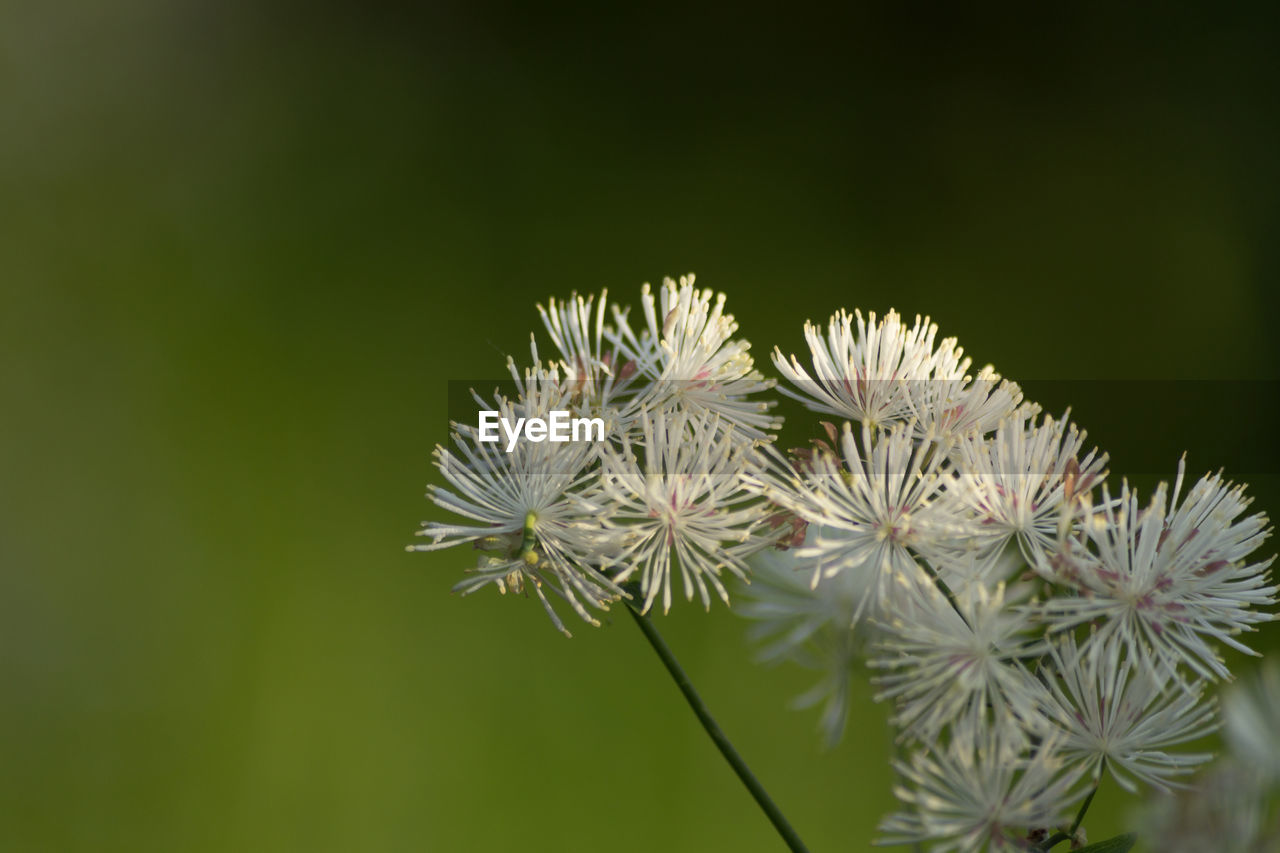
x: 1119, y: 844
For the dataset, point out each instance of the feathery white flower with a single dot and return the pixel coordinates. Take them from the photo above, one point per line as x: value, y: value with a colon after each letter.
x: 885, y: 373
x: 533, y: 525
x: 808, y: 626
x: 1224, y: 812
x: 942, y: 664
x: 979, y: 793
x: 869, y: 514
x: 692, y: 361
x: 685, y: 500
x: 1251, y: 720
x: 1115, y: 715
x: 1167, y: 584
x: 1020, y: 483
x: 862, y: 376
x: 597, y: 385
x: 949, y: 407
x: 1225, y: 808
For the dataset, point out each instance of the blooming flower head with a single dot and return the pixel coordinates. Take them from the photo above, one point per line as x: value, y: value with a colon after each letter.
x: 1168, y: 584
x: 950, y: 407
x: 597, y: 380
x: 961, y: 658
x: 808, y: 625
x: 532, y: 523
x: 661, y: 492
x: 1123, y: 718
x: 1251, y: 719
x: 870, y: 506
x: 1225, y: 808
x: 979, y: 792
x: 693, y: 363
x: 682, y: 507
x: 1225, y: 812
x: 864, y: 375
x: 1019, y: 484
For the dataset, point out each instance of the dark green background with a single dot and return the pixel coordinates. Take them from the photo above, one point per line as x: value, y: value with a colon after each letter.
x: 244, y: 247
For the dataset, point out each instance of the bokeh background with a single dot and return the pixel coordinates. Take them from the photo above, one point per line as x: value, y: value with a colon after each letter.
x: 244, y: 247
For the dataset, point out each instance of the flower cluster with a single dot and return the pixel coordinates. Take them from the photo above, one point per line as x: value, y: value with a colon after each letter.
x: 1032, y: 629
x: 664, y: 494
x: 1232, y: 804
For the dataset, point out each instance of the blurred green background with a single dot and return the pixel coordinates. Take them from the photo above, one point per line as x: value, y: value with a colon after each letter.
x: 243, y: 248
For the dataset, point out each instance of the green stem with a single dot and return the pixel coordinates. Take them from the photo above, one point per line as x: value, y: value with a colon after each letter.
x: 1052, y: 841
x: 946, y: 591
x: 1084, y: 807
x: 1060, y: 836
x: 717, y: 735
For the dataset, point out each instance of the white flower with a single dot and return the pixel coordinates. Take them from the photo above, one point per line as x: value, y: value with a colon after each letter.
x: 945, y: 662
x: 978, y: 792
x: 869, y: 514
x: 1020, y: 483
x: 1166, y: 584
x: 692, y: 361
x: 533, y: 526
x: 863, y: 376
x: 1251, y: 716
x: 1225, y: 812
x: 1118, y: 716
x: 808, y: 626
x: 789, y: 610
x: 1230, y: 807
x: 949, y: 406
x: 597, y: 384
x: 684, y: 500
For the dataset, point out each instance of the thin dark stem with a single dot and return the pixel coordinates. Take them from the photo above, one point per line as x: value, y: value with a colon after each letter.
x: 1060, y: 836
x: 1084, y: 807
x: 946, y: 591
x: 717, y: 735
